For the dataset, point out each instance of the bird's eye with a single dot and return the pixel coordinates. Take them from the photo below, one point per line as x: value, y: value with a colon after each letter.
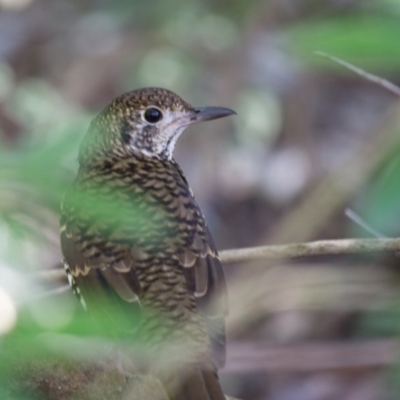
x: 153, y: 115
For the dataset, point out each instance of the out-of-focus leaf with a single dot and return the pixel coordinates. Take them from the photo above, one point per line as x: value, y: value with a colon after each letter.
x: 363, y: 40
x: 380, y: 205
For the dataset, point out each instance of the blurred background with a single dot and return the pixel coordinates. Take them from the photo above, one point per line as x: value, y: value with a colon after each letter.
x: 310, y: 139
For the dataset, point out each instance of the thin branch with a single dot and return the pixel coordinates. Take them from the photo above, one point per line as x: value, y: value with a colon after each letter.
x: 322, y: 247
x: 344, y: 357
x: 391, y: 87
x: 52, y: 274
x: 351, y: 214
x: 49, y: 293
x: 294, y: 250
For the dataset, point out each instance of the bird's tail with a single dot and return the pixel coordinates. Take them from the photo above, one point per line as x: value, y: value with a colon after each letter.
x: 192, y: 383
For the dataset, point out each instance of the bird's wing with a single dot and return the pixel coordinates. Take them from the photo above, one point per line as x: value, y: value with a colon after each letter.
x: 101, y: 279
x: 206, y: 280
x: 205, y: 277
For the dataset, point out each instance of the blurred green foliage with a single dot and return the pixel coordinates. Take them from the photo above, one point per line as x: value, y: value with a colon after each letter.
x: 362, y: 40
x: 380, y: 203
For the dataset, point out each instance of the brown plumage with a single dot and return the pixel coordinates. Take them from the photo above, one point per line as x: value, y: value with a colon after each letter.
x: 134, y: 238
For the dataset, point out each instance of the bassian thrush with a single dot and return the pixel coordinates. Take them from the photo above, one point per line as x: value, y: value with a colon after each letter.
x: 133, y: 237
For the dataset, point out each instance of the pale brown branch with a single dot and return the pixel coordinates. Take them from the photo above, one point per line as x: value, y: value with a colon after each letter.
x: 322, y: 247
x: 48, y: 293
x: 344, y: 357
x: 391, y: 87
x: 294, y: 250
x: 53, y: 274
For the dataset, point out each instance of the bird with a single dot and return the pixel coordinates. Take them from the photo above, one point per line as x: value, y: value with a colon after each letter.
x: 135, y: 242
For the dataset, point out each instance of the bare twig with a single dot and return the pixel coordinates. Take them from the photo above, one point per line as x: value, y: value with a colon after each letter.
x: 294, y: 250
x: 322, y: 247
x: 391, y: 87
x: 53, y: 274
x: 351, y: 214
x: 49, y: 293
x: 250, y: 357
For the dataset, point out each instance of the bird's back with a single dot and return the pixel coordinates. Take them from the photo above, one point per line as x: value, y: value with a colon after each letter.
x: 134, y: 238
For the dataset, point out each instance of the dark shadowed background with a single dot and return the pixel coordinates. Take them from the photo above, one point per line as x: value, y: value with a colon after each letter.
x: 310, y: 139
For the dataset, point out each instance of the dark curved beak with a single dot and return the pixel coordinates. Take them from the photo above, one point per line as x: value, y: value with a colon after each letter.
x: 209, y: 113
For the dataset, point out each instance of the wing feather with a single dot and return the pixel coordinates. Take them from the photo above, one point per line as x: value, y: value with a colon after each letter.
x: 110, y: 296
x: 205, y: 277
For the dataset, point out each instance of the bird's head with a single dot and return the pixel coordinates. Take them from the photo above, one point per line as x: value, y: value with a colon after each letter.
x: 144, y: 121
